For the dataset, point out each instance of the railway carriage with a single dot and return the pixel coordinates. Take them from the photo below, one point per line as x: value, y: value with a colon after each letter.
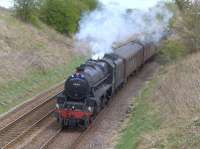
x: 132, y: 55
x: 150, y: 50
x: 88, y: 90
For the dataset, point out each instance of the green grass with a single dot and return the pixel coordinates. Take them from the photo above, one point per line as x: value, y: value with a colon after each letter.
x: 16, y: 92
x: 148, y: 126
x: 171, y: 51
x: 142, y: 120
x: 187, y: 136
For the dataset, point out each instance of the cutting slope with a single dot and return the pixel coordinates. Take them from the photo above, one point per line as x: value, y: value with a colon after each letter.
x: 31, y: 59
x: 166, y: 113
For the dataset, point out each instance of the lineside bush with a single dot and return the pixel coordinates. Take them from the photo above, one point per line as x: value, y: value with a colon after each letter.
x: 64, y: 15
x: 26, y: 10
x: 188, y: 23
x: 171, y: 50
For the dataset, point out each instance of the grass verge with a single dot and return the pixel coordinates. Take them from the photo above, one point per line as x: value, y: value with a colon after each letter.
x: 16, y: 92
x: 143, y: 119
x: 167, y: 111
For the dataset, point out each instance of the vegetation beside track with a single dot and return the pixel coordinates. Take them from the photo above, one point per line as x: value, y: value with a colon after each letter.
x: 31, y: 59
x: 62, y: 15
x: 166, y: 113
x: 171, y: 51
x: 13, y: 93
x: 143, y: 119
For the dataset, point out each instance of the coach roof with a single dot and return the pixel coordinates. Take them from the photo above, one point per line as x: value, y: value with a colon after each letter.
x: 128, y: 50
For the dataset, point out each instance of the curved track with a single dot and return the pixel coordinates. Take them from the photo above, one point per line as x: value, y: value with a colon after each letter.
x: 108, y: 121
x: 15, y: 129
x: 38, y: 129
x: 73, y: 136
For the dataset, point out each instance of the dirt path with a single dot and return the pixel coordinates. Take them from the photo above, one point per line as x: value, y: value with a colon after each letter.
x: 107, y: 126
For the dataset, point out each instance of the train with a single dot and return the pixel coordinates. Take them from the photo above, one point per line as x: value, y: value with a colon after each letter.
x: 93, y: 84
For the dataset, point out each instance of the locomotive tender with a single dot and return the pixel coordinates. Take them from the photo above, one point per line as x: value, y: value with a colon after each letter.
x: 88, y: 90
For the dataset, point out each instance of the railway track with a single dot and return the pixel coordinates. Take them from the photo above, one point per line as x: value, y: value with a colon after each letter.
x: 37, y: 136
x: 78, y: 139
x: 27, y: 132
x: 9, y: 117
x: 16, y: 129
x: 13, y: 141
x: 45, y: 146
x: 15, y: 133
x: 73, y: 137
x: 19, y: 131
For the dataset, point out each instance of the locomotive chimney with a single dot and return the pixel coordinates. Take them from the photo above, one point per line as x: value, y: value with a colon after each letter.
x: 80, y: 68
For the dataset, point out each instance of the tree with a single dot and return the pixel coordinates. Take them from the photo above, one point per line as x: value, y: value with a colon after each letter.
x: 26, y: 9
x: 188, y: 24
x: 64, y: 15
x: 183, y: 4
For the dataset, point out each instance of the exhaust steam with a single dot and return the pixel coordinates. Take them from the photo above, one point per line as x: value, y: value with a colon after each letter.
x: 116, y: 21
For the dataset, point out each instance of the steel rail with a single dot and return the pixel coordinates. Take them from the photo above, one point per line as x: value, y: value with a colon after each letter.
x: 14, y: 124
x: 45, y: 146
x: 14, y: 141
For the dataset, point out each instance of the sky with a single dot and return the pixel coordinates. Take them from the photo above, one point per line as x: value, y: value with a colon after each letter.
x: 6, y: 3
x: 137, y: 3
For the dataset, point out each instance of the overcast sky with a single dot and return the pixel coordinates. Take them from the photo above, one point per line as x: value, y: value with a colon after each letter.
x: 137, y: 3
x: 6, y: 3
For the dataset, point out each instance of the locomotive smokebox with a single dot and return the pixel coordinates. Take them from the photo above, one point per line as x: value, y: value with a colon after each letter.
x: 76, y: 87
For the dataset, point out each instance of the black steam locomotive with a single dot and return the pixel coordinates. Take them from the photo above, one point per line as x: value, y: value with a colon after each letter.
x: 88, y: 90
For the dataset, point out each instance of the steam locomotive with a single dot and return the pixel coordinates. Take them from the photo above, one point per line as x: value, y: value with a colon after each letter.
x: 90, y: 88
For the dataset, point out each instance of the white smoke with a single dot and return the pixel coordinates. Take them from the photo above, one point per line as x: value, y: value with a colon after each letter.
x: 116, y: 20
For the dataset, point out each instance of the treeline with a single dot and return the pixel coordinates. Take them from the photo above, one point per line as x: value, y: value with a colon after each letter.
x: 185, y: 27
x: 187, y: 24
x: 62, y: 15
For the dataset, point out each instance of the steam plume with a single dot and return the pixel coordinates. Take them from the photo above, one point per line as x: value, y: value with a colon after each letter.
x: 114, y: 21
